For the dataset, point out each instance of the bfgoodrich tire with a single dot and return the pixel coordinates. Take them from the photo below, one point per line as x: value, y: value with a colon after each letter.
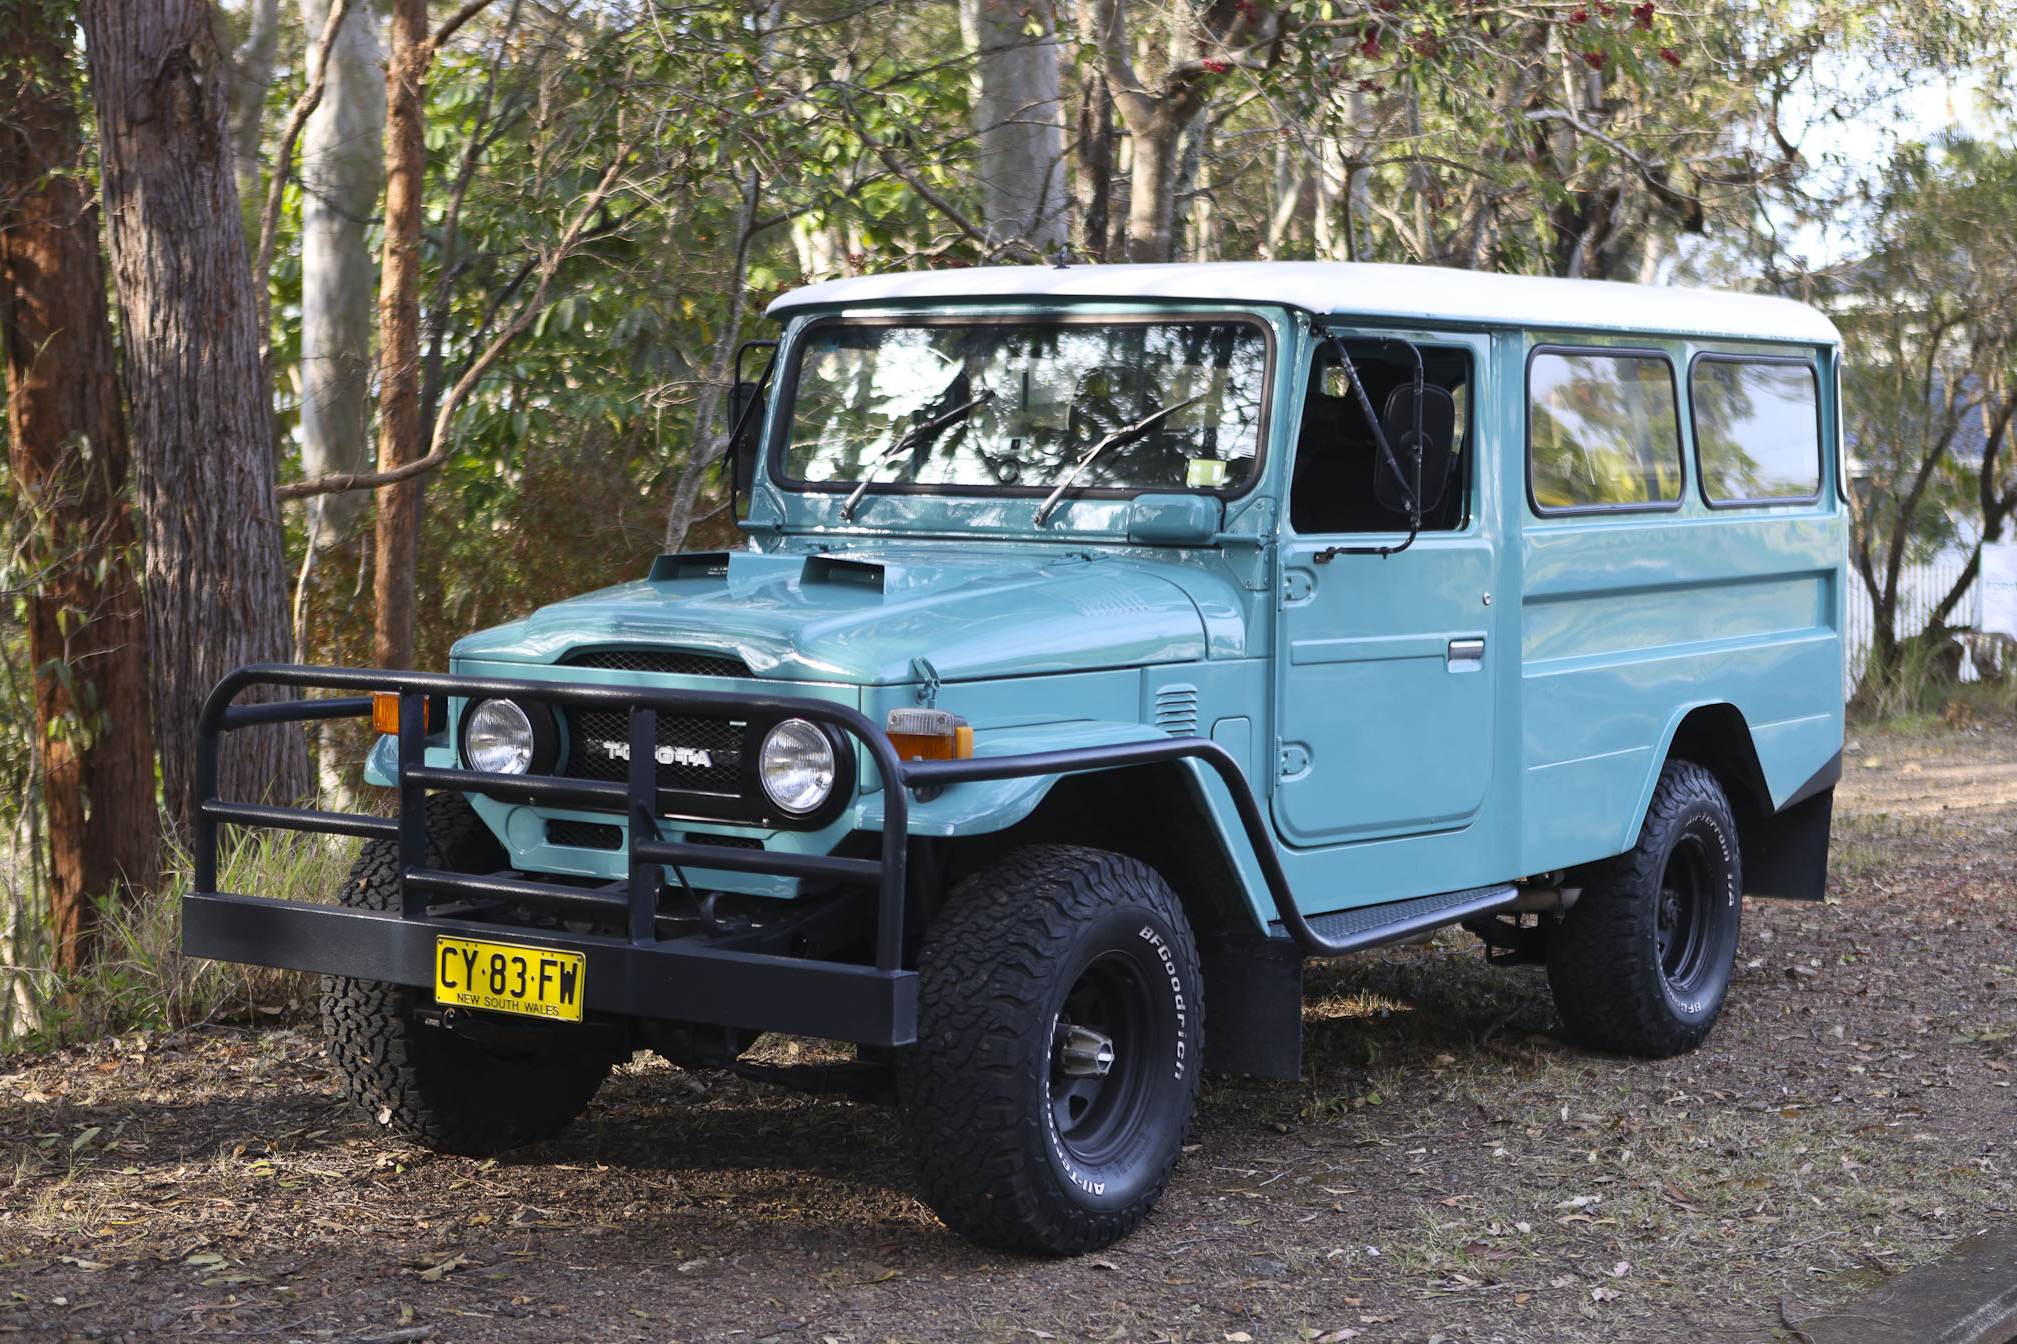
x: 424, y: 1082
x: 1060, y: 1030
x: 1641, y: 962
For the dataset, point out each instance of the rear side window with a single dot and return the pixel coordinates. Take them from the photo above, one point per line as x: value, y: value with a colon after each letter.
x: 1603, y: 431
x: 1757, y: 429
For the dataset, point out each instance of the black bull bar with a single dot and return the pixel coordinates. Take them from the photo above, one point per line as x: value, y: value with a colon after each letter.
x: 636, y: 973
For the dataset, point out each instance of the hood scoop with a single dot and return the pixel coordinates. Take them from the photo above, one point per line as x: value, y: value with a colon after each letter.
x: 841, y: 572
x: 703, y: 565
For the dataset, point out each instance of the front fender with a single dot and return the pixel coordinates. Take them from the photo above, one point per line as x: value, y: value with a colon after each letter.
x: 985, y: 806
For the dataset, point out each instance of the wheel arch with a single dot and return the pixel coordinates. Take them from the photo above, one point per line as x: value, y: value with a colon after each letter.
x: 1138, y: 811
x: 1783, y: 851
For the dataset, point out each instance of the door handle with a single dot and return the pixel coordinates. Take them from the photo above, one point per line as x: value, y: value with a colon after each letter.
x: 1466, y: 651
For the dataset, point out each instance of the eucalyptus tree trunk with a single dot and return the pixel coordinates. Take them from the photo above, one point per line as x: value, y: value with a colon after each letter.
x: 1018, y: 123
x: 341, y: 168
x: 397, y: 553
x: 1093, y: 164
x: 1156, y: 114
x: 202, y: 433
x: 250, y: 79
x: 67, y: 450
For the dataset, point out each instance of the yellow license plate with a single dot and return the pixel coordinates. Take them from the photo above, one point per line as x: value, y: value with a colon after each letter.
x: 507, y: 978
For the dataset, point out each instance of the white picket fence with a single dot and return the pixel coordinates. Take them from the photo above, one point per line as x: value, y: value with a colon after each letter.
x: 1920, y: 588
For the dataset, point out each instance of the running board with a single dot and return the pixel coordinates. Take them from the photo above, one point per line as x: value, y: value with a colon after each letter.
x: 1365, y: 926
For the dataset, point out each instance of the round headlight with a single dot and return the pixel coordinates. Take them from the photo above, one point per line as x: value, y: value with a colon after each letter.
x: 497, y: 738
x: 797, y: 766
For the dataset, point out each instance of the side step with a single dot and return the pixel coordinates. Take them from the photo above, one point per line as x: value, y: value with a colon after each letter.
x: 1366, y: 926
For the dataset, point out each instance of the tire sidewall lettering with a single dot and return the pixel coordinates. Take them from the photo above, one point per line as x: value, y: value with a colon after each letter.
x: 1146, y: 939
x: 1705, y: 823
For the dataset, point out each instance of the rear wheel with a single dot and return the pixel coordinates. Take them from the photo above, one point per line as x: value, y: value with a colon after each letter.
x: 1059, y: 1038
x: 1641, y: 963
x: 424, y: 1081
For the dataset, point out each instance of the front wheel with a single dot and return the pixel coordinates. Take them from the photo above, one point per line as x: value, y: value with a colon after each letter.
x: 1059, y: 1037
x: 424, y: 1081
x: 1641, y: 963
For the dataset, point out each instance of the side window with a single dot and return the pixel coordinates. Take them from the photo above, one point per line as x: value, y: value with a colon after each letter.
x: 1332, y: 490
x: 1603, y: 431
x: 1757, y: 429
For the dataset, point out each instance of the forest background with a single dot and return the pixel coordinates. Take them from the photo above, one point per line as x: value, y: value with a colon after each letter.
x: 335, y: 330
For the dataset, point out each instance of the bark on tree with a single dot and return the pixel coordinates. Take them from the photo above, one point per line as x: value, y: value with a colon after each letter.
x: 1093, y: 164
x: 1158, y: 111
x: 396, y: 552
x: 341, y: 168
x: 68, y: 452
x: 215, y: 587
x: 250, y: 79
x: 1019, y: 129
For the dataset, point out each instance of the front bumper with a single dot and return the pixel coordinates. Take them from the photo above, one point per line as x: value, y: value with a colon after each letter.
x: 635, y: 972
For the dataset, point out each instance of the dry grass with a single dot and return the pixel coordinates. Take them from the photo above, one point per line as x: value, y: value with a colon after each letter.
x: 142, y: 981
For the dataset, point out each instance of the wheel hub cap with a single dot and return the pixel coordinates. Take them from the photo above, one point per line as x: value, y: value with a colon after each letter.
x: 1083, y: 1053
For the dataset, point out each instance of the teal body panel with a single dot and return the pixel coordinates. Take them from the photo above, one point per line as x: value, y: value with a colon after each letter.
x: 1629, y: 621
x: 1393, y: 762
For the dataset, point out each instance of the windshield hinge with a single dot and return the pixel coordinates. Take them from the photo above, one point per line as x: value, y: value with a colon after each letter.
x: 927, y: 690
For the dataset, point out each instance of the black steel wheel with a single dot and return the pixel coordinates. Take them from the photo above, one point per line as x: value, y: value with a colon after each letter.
x: 1641, y: 963
x: 1059, y: 1038
x: 424, y: 1081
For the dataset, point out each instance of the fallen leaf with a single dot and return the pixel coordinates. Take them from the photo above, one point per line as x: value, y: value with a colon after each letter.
x: 436, y: 1273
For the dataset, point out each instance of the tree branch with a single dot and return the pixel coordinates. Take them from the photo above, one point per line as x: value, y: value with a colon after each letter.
x: 438, y: 443
x: 454, y: 21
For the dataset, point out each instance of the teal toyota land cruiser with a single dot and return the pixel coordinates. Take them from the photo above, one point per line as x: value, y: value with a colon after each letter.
x: 1109, y: 640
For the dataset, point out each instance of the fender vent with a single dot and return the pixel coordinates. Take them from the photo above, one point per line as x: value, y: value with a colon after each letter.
x: 1177, y: 710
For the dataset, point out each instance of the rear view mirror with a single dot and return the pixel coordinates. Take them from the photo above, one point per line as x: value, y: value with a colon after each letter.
x: 745, y: 424
x: 1425, y: 456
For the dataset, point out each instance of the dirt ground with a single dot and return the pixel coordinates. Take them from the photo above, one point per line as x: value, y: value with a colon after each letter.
x: 1446, y: 1171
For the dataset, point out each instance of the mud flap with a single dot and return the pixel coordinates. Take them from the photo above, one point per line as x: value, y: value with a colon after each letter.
x: 1253, y: 1006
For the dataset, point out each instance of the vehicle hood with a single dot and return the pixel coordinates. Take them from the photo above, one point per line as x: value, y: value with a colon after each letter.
x: 863, y: 616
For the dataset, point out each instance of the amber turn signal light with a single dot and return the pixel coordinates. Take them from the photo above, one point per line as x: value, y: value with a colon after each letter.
x: 929, y: 735
x: 385, y: 713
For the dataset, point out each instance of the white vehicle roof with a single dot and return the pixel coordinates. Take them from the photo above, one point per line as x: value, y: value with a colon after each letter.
x: 1425, y: 294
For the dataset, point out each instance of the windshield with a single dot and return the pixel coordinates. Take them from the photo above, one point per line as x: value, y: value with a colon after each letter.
x: 1023, y: 405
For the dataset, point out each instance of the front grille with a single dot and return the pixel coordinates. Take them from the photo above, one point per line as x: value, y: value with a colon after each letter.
x: 697, y: 755
x: 584, y: 834
x: 675, y: 662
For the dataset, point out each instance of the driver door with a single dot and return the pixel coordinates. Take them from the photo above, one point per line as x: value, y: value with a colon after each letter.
x: 1383, y: 688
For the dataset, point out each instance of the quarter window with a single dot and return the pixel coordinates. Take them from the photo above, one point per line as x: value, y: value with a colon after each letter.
x: 1757, y: 429
x: 1603, y: 431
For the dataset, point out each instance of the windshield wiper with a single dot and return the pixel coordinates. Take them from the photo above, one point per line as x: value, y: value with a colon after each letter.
x: 1126, y: 434
x: 914, y: 438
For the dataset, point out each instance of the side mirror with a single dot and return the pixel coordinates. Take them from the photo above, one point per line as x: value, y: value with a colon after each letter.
x: 745, y: 427
x: 1432, y: 451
